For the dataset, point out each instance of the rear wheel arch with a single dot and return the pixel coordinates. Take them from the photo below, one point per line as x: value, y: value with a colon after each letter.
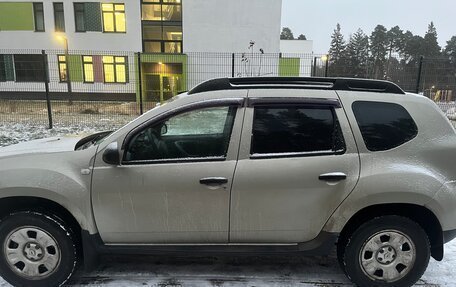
x: 420, y: 214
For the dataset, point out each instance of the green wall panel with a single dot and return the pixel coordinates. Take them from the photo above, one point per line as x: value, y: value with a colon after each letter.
x: 92, y: 14
x: 75, y: 62
x: 289, y: 67
x: 16, y: 16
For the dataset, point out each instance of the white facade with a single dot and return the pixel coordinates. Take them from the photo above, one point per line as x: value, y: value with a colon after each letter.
x: 208, y: 26
x: 229, y: 25
x: 296, y: 46
x: 88, y: 41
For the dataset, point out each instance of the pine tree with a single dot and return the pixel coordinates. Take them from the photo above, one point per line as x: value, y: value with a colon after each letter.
x: 396, y: 40
x: 357, y: 53
x: 337, y: 47
x: 337, y: 60
x: 432, y: 48
x: 379, y: 49
x: 450, y: 49
x: 396, y: 45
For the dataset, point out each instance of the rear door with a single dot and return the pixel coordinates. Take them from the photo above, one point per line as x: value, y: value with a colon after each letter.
x: 298, y: 161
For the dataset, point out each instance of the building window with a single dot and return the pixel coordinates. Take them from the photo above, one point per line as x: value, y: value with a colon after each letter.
x: 113, y: 17
x: 162, y: 38
x: 79, y: 17
x: 29, y: 68
x: 6, y: 68
x: 59, y: 18
x: 161, y: 10
x: 38, y: 14
x: 115, y: 69
x: 2, y: 69
x: 87, y: 63
x: 162, y: 26
x: 87, y: 16
x: 62, y: 68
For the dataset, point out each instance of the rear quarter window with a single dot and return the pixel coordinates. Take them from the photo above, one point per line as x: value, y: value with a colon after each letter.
x: 384, y: 125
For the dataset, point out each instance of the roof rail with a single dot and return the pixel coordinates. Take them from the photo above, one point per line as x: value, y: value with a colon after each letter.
x: 343, y: 84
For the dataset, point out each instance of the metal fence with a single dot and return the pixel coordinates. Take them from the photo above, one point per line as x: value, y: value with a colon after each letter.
x: 106, y: 88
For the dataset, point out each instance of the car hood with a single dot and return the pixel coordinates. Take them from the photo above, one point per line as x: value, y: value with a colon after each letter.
x: 46, y: 145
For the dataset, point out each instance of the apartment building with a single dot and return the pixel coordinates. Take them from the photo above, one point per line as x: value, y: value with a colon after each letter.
x: 108, y: 48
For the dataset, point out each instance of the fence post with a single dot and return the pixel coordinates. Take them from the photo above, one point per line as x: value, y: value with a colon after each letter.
x: 68, y: 73
x: 46, y: 87
x: 141, y: 108
x: 418, y: 81
x: 327, y: 66
x: 314, y: 73
x: 232, y: 64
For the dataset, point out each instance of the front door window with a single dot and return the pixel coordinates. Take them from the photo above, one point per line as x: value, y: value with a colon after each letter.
x: 199, y: 134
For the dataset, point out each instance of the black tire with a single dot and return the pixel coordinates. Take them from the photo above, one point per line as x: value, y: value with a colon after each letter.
x: 51, y: 226
x: 406, y: 228
x: 341, y: 244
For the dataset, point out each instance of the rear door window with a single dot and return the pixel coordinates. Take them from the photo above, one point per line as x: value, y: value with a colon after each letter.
x: 384, y: 125
x: 295, y: 130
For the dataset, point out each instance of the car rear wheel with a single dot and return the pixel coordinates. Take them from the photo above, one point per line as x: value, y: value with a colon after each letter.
x: 36, y: 250
x: 387, y: 251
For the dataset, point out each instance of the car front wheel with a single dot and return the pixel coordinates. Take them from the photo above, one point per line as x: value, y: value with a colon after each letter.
x: 387, y: 251
x: 36, y: 250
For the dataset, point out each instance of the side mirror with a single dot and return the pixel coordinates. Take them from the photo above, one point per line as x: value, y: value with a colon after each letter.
x: 111, y: 154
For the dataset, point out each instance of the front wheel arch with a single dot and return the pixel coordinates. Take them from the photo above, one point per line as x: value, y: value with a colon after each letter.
x: 47, y: 237
x: 16, y: 204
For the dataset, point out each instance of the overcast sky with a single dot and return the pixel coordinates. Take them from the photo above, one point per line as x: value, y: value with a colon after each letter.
x: 318, y: 18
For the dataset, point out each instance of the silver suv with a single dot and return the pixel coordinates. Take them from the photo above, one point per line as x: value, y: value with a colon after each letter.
x: 258, y: 165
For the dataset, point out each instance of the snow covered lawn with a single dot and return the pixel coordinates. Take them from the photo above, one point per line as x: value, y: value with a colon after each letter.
x: 12, y: 133
x: 117, y: 271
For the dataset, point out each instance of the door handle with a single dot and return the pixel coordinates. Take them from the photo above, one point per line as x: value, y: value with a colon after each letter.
x: 333, y: 176
x: 213, y: 180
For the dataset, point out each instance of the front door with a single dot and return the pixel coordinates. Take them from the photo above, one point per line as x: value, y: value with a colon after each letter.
x: 298, y: 161
x: 160, y: 88
x: 153, y: 88
x: 174, y: 182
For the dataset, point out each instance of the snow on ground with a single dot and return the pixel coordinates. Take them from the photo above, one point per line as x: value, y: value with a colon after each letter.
x: 162, y: 271
x: 15, y: 132
x: 270, y: 271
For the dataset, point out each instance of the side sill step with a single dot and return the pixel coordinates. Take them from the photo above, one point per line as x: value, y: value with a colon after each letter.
x: 93, y: 246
